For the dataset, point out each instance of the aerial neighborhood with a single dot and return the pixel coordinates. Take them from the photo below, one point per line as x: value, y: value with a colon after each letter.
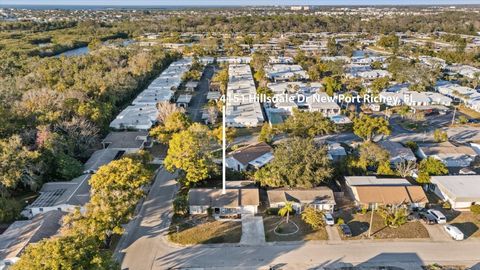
x: 129, y: 140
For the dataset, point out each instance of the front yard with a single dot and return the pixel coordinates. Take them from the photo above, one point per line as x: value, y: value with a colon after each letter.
x: 305, y: 232
x: 204, y: 230
x: 359, y: 225
x: 467, y: 222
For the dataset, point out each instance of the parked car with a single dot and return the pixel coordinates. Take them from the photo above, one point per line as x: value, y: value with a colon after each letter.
x: 346, y: 230
x: 329, y: 220
x: 439, y: 217
x: 454, y: 232
x: 428, y: 218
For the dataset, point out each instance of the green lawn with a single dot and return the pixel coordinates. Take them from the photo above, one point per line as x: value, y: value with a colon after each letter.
x: 305, y: 231
x: 204, y: 230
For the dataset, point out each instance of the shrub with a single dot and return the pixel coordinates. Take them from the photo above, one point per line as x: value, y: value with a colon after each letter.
x: 313, y: 217
x: 475, y: 209
x: 446, y: 205
x: 9, y: 210
x: 210, y: 211
x: 272, y: 211
x: 340, y: 221
x: 180, y: 205
x: 364, y: 210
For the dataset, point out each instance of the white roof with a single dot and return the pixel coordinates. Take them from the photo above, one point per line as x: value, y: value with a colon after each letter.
x: 375, y: 181
x: 137, y: 117
x: 459, y: 187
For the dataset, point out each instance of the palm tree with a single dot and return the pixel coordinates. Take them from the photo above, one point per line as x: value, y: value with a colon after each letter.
x: 285, y: 210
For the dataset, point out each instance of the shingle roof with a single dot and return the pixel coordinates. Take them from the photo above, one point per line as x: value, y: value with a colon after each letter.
x: 125, y: 139
x: 249, y: 153
x: 391, y: 194
x: 21, y: 233
x: 232, y: 198
x: 316, y: 195
x: 446, y: 149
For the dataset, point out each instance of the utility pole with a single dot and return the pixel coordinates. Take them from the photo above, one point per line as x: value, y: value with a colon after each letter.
x: 371, y: 221
x: 453, y: 117
x: 224, y: 146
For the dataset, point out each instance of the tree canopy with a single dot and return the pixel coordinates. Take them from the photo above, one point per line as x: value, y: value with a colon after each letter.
x: 297, y: 162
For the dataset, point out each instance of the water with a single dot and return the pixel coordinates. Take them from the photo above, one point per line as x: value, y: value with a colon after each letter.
x: 74, y: 52
x: 85, y: 50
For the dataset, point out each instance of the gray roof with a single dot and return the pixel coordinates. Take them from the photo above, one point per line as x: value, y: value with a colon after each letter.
x: 397, y: 150
x: 21, y: 233
x: 234, y: 197
x: 75, y: 192
x: 320, y: 195
x: 126, y: 139
x: 459, y: 187
x: 375, y: 181
x: 100, y: 158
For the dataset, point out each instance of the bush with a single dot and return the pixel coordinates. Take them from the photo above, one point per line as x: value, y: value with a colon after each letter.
x: 475, y: 209
x: 446, y: 205
x: 9, y: 210
x: 340, y: 221
x: 210, y: 211
x: 364, y: 210
x: 313, y: 217
x: 272, y: 211
x: 180, y: 205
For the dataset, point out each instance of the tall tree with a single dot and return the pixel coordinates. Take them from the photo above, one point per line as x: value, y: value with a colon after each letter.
x: 367, y: 127
x: 190, y: 152
x: 298, y: 162
x: 307, y: 124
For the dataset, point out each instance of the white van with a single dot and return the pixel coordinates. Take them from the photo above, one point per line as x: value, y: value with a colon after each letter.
x: 439, y: 217
x: 454, y: 232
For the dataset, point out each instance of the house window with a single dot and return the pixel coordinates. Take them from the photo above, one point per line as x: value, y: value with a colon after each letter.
x: 40, y: 209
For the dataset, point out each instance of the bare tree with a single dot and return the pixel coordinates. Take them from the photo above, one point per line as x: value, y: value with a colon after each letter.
x: 166, y: 108
x: 81, y: 133
x: 212, y: 114
x: 405, y: 168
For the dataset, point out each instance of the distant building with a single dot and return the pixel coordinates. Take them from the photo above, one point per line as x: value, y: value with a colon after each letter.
x: 252, y: 156
x: 127, y: 141
x: 63, y: 196
x: 398, y: 153
x: 448, y: 153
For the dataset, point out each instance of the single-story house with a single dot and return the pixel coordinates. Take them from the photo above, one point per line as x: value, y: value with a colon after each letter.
x: 371, y: 191
x: 398, y: 152
x: 63, y: 196
x: 127, y: 141
x: 191, y: 85
x: 448, y: 153
x: 20, y: 234
x: 461, y: 191
x: 252, y: 156
x: 321, y: 198
x: 236, y: 201
x: 184, y: 100
x: 100, y: 158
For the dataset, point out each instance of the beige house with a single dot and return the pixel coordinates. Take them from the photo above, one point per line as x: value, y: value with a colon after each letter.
x: 321, y: 198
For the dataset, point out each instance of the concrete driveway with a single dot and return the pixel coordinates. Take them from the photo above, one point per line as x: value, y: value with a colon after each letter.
x: 253, y: 232
x: 333, y: 234
x: 438, y: 233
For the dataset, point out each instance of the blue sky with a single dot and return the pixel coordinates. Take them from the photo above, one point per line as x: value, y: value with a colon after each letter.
x: 237, y: 2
